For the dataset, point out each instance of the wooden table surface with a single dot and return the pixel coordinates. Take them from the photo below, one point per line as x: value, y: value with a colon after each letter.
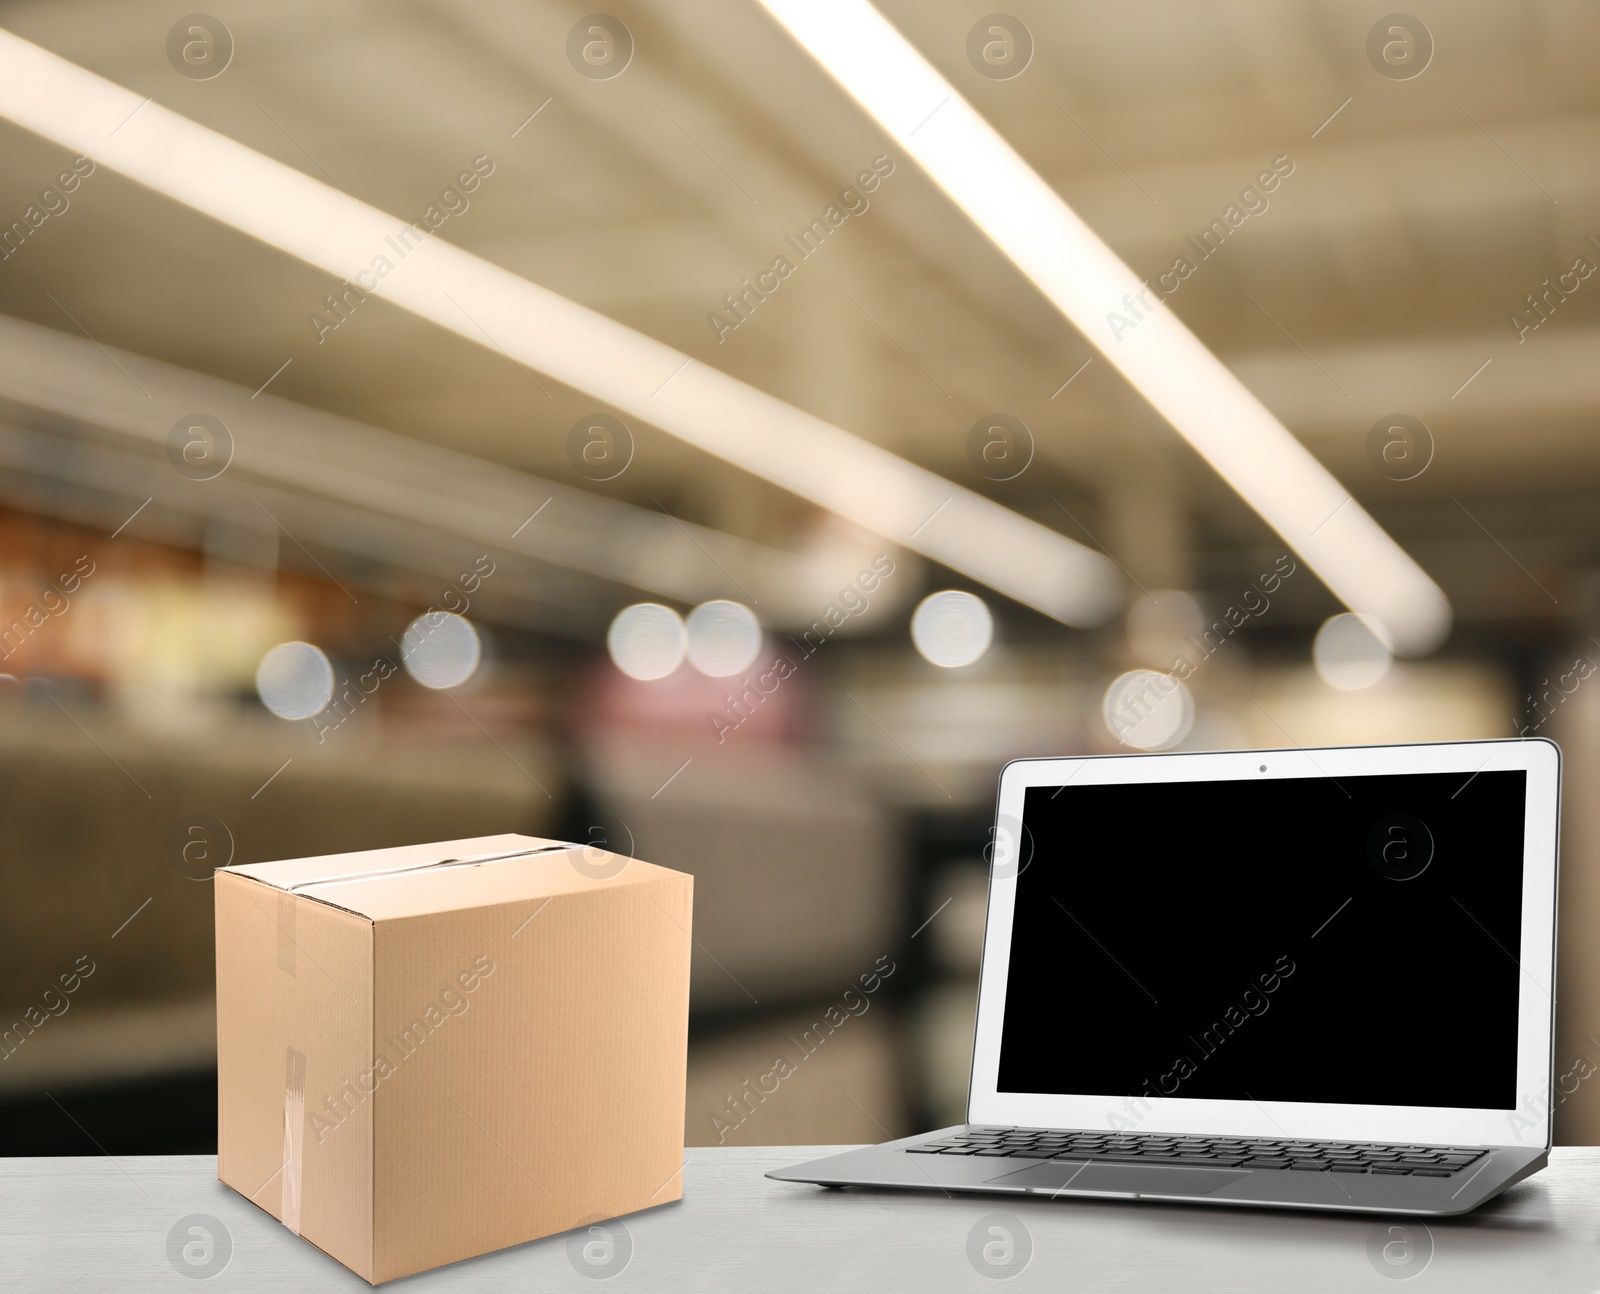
x: 98, y: 1224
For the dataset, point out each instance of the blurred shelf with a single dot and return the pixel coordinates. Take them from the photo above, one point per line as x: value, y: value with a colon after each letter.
x: 88, y: 1045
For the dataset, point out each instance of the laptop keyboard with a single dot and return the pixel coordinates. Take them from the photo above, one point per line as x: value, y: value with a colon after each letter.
x: 1215, y: 1152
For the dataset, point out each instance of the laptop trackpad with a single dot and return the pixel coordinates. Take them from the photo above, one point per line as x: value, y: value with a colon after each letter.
x: 1121, y: 1179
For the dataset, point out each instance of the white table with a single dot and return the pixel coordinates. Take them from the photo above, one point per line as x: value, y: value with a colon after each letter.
x: 98, y: 1224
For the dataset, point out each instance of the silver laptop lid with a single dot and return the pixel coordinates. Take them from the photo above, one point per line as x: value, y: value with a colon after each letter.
x: 1348, y: 943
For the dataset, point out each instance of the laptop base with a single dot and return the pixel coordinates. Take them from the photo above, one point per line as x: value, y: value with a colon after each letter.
x: 890, y: 1166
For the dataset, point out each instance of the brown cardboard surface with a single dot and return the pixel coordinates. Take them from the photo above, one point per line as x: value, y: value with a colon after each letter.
x: 492, y: 1053
x: 555, y: 1095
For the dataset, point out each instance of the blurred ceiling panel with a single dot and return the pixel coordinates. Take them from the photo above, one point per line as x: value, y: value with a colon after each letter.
x: 1420, y: 215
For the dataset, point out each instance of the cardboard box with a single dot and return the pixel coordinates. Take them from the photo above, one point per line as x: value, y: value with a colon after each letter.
x: 436, y: 1051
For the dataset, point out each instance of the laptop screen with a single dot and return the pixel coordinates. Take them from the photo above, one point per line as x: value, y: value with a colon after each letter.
x: 1345, y: 941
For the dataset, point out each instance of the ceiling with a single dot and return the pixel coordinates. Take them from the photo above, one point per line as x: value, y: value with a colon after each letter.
x: 1380, y: 280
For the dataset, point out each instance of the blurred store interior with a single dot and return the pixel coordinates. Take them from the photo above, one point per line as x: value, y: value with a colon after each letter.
x: 536, y: 613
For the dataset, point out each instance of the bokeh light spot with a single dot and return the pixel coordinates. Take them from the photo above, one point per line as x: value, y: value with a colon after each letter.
x: 952, y: 628
x: 1350, y: 653
x: 724, y: 638
x: 440, y: 650
x: 647, y: 641
x: 1148, y: 710
x: 295, y: 680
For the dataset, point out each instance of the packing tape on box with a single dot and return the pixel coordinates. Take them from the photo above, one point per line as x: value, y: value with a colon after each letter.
x: 294, y: 1131
x: 477, y: 860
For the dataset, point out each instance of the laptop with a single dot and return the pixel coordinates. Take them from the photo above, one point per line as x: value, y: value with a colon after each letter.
x: 1310, y: 978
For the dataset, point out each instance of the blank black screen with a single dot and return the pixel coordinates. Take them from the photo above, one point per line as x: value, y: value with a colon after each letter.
x: 1270, y: 941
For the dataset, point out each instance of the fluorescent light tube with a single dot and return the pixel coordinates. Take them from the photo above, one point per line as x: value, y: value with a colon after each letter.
x: 439, y: 492
x: 1087, y: 281
x: 534, y: 326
